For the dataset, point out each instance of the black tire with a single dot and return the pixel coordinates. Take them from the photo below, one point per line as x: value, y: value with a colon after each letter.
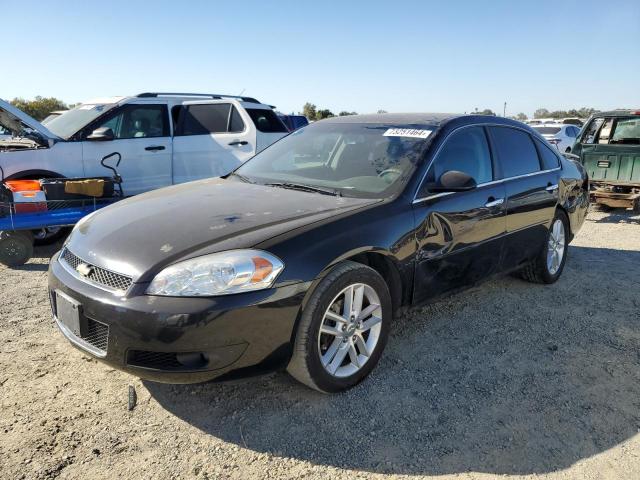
x: 50, y: 238
x: 16, y: 248
x: 305, y: 365
x: 537, y: 271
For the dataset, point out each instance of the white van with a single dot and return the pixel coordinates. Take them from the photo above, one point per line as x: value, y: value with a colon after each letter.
x: 164, y: 138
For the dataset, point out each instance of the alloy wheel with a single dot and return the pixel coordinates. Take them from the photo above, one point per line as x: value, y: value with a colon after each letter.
x: 350, y: 330
x: 555, y: 247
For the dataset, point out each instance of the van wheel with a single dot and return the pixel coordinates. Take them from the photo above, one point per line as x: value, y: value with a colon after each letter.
x: 548, y: 265
x: 343, y: 329
x: 16, y: 248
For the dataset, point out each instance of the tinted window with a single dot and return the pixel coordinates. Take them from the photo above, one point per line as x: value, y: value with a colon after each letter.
x: 515, y: 150
x: 236, y: 124
x: 266, y: 121
x: 138, y: 121
x: 204, y: 119
x: 467, y: 151
x: 547, y: 130
x: 549, y: 158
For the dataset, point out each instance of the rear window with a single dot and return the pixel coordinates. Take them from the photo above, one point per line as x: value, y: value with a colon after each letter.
x: 516, y: 152
x: 547, y: 130
x: 626, y: 130
x: 266, y: 120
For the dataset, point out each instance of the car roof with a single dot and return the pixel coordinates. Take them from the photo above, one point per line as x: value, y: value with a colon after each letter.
x: 619, y: 113
x: 431, y: 119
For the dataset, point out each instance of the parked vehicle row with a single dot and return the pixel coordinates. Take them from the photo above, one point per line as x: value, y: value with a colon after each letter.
x: 302, y: 256
x: 560, y: 135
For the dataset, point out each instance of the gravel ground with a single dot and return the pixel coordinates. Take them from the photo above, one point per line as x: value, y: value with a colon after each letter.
x: 508, y: 378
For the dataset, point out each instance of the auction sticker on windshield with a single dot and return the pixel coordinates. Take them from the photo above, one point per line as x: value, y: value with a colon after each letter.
x: 407, y: 132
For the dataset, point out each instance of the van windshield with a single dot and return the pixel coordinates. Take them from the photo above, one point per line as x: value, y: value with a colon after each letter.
x: 72, y: 121
x: 360, y: 160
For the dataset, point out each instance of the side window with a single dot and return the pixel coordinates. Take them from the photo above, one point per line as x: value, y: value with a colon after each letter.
x: 138, y: 121
x: 605, y: 131
x: 204, y: 119
x: 467, y: 150
x: 570, y: 132
x: 266, y: 120
x: 548, y: 157
x: 515, y: 150
x: 236, y: 125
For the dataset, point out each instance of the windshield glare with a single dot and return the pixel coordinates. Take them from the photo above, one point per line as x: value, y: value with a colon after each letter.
x: 66, y: 125
x: 352, y: 159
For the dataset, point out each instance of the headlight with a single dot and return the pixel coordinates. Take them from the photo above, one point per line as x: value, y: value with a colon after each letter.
x: 234, y: 271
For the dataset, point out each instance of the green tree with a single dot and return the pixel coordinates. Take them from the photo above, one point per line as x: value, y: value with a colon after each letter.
x: 541, y: 113
x: 486, y: 111
x: 344, y: 113
x: 325, y: 113
x: 310, y: 111
x: 521, y: 116
x: 39, y: 107
x: 382, y: 111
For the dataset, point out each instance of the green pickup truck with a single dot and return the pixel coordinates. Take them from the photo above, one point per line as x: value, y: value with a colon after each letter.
x: 609, y: 149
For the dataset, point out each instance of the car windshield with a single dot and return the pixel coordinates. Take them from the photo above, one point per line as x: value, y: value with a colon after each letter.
x: 547, y: 130
x: 360, y: 160
x: 66, y: 125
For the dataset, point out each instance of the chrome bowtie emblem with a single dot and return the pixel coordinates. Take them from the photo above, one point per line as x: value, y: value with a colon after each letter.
x: 84, y: 269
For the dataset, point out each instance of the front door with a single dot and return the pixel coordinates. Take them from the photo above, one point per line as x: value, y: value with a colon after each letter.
x: 459, y: 234
x: 141, y: 136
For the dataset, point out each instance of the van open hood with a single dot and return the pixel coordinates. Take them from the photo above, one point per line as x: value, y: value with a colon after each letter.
x: 22, y: 125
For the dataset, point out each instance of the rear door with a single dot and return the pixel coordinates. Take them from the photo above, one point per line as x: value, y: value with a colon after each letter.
x: 460, y: 234
x: 531, y: 184
x: 142, y: 137
x: 611, y: 150
x: 211, y: 139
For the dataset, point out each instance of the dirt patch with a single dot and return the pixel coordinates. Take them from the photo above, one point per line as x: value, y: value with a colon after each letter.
x: 509, y: 378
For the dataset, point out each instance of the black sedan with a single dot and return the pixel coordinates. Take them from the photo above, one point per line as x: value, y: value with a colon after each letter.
x: 304, y: 255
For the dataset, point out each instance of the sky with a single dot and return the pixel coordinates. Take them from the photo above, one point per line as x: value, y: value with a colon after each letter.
x: 363, y: 56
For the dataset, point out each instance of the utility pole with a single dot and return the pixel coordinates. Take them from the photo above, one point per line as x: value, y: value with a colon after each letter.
x: 504, y: 110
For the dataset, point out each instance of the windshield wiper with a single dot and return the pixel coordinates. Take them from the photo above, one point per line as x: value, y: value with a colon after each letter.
x: 241, y: 177
x: 306, y: 188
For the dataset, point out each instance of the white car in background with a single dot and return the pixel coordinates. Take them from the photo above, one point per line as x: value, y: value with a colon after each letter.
x: 560, y: 135
x: 164, y: 138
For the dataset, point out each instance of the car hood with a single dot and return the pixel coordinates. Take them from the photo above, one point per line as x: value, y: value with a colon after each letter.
x: 143, y: 234
x: 16, y: 121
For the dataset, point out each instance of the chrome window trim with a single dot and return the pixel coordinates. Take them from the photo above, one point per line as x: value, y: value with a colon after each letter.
x: 435, y: 155
x: 494, y: 182
x: 75, y: 273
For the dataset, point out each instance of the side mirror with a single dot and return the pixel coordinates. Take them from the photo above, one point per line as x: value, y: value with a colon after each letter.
x: 454, y: 181
x: 102, y: 134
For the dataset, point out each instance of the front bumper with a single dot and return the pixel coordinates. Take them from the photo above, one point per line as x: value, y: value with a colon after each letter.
x: 179, y: 340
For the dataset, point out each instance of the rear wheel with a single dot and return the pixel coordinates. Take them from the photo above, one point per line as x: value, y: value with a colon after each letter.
x: 548, y: 265
x: 16, y: 248
x: 342, y: 330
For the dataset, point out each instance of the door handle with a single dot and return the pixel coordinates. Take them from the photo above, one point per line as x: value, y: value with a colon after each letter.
x: 239, y: 142
x: 154, y: 148
x: 552, y: 188
x: 494, y: 202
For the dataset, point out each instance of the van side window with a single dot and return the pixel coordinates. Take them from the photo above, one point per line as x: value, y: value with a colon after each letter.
x: 515, y: 151
x: 466, y: 150
x: 549, y: 158
x: 204, y: 119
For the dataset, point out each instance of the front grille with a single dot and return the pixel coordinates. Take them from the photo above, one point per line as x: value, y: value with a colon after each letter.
x: 97, y: 335
x: 157, y: 360
x: 98, y: 275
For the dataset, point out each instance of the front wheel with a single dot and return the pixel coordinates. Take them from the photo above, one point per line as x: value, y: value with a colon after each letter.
x: 343, y: 329
x: 548, y: 265
x: 16, y: 247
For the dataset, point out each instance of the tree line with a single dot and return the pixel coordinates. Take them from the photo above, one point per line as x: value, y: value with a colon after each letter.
x: 40, y: 107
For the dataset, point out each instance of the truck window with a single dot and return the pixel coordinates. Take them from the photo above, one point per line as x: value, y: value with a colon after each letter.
x: 591, y: 130
x: 627, y: 131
